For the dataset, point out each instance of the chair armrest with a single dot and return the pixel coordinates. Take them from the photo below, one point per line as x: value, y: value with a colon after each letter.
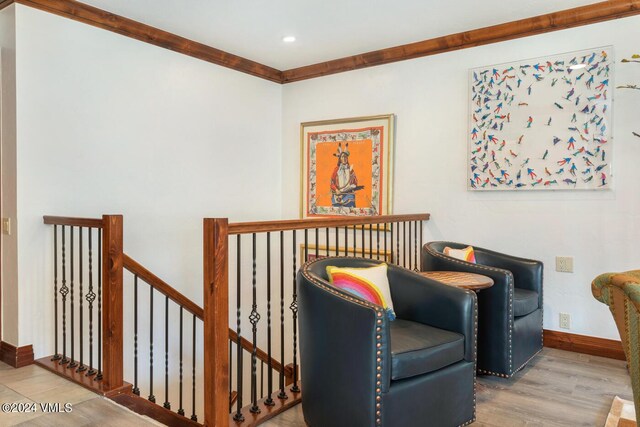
x: 496, y: 309
x: 629, y: 282
x: 432, y: 303
x: 527, y: 273
x: 343, y: 340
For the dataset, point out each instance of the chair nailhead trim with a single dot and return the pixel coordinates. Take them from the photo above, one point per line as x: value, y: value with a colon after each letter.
x: 307, y: 275
x: 511, y: 320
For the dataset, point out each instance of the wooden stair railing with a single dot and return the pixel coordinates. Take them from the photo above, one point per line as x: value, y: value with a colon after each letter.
x: 392, y: 238
x: 76, y: 241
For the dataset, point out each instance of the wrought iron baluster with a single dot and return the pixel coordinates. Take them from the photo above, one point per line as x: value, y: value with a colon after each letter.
x: 294, y: 310
x: 415, y: 246
x: 346, y: 241
x: 238, y: 415
x: 398, y: 243
x: 283, y: 394
x: 306, y: 245
x: 166, y: 403
x: 317, y: 241
x: 152, y: 398
x: 370, y: 241
x: 91, y: 297
x: 269, y: 401
x: 99, y: 375
x: 136, y: 390
x: 377, y: 241
x: 81, y: 367
x: 337, y: 241
x: 194, y: 417
x: 355, y: 241
x: 56, y: 355
x: 72, y: 361
x: 362, y: 235
x: 254, y: 317
x: 180, y: 408
x: 409, y: 245
x: 421, y: 225
x: 404, y: 244
x: 64, y: 291
x: 392, y: 258
x: 386, y: 252
x: 326, y: 236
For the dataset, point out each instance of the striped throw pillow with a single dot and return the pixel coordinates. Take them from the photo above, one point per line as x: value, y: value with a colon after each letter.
x: 465, y: 254
x: 370, y: 284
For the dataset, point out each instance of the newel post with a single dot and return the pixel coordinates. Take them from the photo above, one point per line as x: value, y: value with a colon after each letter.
x: 216, y: 322
x: 112, y: 320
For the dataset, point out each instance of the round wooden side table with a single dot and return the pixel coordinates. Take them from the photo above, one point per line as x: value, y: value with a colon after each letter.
x: 471, y: 281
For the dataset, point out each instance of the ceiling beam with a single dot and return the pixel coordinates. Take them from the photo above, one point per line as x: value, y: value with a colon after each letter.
x: 584, y: 15
x: 136, y: 30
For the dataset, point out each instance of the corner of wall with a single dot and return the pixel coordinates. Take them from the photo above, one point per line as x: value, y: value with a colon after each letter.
x: 8, y: 137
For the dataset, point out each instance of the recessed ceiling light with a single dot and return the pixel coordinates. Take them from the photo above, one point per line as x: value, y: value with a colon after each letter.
x: 289, y: 39
x: 577, y: 66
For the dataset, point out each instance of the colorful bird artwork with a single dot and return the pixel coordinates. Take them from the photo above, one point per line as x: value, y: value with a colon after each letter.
x: 552, y: 117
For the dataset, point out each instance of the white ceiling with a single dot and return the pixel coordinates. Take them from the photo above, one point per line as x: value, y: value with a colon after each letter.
x: 325, y: 29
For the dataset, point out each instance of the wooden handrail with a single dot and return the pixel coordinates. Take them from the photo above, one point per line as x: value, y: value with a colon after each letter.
x: 301, y: 224
x: 260, y: 354
x: 76, y: 222
x: 163, y: 287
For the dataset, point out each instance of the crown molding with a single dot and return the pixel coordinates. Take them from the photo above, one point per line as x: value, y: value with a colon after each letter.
x: 5, y: 3
x: 569, y: 18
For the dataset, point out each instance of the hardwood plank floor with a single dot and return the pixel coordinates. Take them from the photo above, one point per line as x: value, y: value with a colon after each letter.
x: 557, y: 388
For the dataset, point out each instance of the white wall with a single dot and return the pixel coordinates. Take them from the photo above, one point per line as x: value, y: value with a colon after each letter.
x: 8, y: 165
x: 430, y: 97
x: 108, y: 124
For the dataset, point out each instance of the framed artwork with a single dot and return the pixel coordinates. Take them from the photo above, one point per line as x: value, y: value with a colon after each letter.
x: 542, y: 124
x: 322, y: 252
x: 347, y: 166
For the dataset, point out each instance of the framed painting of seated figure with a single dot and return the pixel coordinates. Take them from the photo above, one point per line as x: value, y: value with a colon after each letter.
x: 347, y: 167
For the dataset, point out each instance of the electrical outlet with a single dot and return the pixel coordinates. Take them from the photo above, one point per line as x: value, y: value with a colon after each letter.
x: 564, y: 264
x: 565, y: 320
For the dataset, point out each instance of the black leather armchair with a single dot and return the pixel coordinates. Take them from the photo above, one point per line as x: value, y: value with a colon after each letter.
x: 510, y: 312
x: 360, y: 369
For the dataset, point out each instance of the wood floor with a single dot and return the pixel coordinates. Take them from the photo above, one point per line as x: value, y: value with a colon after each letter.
x: 33, y: 384
x: 557, y: 388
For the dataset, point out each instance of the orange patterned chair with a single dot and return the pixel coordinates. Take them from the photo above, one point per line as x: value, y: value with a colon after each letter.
x: 621, y: 292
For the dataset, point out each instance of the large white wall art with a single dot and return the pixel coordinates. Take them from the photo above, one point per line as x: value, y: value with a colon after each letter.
x: 542, y: 123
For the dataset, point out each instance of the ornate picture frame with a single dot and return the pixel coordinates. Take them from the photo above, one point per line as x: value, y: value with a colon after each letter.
x: 347, y: 167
